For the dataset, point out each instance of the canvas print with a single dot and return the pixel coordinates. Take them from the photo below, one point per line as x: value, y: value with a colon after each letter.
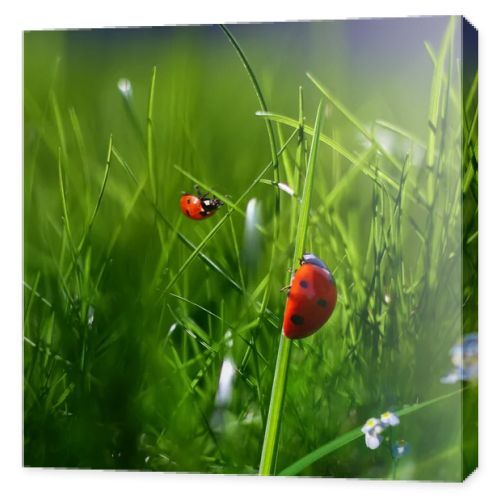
x: 252, y: 249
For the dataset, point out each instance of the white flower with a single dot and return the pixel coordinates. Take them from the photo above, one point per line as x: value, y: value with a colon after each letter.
x: 373, y: 441
x: 451, y: 378
x: 389, y: 419
x: 125, y: 87
x: 252, y: 239
x: 286, y: 188
x: 90, y: 316
x: 372, y: 430
x: 372, y: 426
x: 227, y: 374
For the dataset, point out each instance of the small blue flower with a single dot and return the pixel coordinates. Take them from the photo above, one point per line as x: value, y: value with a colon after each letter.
x: 400, y: 448
x: 464, y: 357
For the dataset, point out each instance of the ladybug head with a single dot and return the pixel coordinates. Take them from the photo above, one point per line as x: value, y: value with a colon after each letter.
x: 310, y: 258
x: 211, y: 203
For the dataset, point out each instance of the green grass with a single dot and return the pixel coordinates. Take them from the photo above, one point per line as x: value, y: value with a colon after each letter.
x: 131, y: 310
x: 271, y: 436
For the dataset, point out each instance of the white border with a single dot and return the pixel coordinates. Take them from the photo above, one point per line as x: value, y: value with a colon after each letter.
x: 19, y: 483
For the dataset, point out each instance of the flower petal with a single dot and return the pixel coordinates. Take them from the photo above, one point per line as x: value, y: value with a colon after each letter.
x: 373, y: 441
x: 389, y: 418
x: 451, y: 378
x: 371, y: 425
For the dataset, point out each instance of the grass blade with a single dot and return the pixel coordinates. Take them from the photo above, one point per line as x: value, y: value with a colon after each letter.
x: 436, y: 89
x: 285, y: 120
x: 65, y: 205
x: 274, y: 154
x: 149, y: 135
x: 355, y: 122
x: 101, y: 193
x: 270, y: 445
x: 260, y: 96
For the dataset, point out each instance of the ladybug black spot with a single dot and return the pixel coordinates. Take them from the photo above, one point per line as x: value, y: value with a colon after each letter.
x: 303, y: 284
x: 186, y: 211
x: 297, y: 320
x: 189, y: 200
x: 322, y: 303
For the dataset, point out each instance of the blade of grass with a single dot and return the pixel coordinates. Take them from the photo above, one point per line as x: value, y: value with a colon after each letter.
x: 285, y: 120
x: 334, y: 145
x: 73, y: 250
x: 276, y: 177
x: 286, y: 160
x: 401, y: 131
x: 237, y: 253
x: 300, y: 155
x: 340, y: 186
x: 101, y: 193
x: 436, y: 89
x: 350, y: 436
x: 33, y: 290
x: 260, y: 96
x: 472, y: 93
x: 433, y: 58
x: 59, y: 126
x: 357, y: 124
x: 271, y: 436
x: 84, y: 158
x: 187, y: 301
x: 128, y: 103
x: 149, y: 135
x: 96, y: 209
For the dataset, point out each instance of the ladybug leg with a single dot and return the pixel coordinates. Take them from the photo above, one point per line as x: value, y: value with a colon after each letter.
x: 201, y: 196
x: 285, y: 288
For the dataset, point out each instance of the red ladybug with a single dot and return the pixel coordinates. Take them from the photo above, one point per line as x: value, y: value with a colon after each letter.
x: 199, y: 207
x: 311, y: 299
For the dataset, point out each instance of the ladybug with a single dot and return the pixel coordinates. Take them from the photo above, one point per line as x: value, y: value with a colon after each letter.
x: 311, y: 298
x: 199, y: 206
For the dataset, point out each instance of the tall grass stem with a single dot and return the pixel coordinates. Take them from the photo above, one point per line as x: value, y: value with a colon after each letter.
x: 271, y: 436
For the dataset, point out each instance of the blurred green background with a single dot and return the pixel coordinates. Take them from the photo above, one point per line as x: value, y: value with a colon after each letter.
x: 123, y: 355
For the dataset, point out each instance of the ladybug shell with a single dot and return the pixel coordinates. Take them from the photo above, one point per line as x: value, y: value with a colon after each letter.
x: 193, y: 207
x: 311, y: 299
